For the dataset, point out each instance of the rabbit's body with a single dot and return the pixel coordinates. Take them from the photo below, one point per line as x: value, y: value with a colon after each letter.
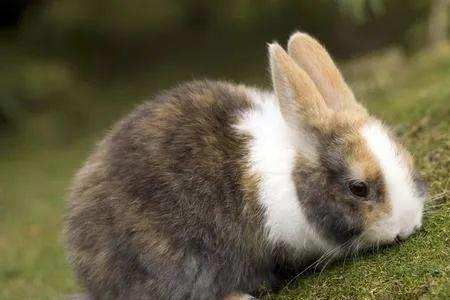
x: 204, y: 191
x: 166, y: 207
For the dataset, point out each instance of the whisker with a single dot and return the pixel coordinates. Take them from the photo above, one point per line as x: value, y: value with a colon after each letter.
x: 332, y: 256
x: 314, y: 264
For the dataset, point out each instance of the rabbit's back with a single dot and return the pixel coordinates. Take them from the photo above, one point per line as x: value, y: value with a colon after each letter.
x: 166, y: 199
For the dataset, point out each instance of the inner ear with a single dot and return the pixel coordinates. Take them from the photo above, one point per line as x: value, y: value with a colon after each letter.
x: 312, y: 57
x: 298, y: 96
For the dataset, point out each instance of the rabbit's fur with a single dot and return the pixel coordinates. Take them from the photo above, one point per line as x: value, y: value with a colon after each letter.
x: 205, y: 191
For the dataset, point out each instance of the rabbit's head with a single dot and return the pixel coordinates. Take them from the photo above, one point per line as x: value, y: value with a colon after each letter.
x: 355, y: 183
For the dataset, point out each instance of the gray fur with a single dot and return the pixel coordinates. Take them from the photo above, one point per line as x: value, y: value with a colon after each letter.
x: 329, y: 205
x: 162, y: 209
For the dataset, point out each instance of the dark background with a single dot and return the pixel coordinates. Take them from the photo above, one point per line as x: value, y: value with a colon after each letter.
x: 63, y: 61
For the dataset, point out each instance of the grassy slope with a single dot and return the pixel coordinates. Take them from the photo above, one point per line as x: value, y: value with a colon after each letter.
x: 417, y: 102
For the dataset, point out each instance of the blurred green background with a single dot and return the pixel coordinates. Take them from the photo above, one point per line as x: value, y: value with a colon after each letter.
x: 69, y: 69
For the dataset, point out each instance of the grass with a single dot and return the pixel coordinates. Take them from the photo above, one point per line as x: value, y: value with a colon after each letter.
x: 415, y: 101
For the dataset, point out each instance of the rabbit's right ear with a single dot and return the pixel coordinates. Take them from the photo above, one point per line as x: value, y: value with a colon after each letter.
x: 298, y: 96
x: 310, y: 55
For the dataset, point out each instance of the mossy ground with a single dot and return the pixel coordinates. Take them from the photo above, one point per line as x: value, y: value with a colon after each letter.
x: 412, y: 95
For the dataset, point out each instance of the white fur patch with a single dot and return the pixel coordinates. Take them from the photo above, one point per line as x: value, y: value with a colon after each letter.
x: 273, y: 150
x: 406, y: 204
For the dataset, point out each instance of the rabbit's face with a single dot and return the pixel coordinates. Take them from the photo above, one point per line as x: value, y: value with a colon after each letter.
x: 357, y: 186
x: 402, y: 189
x: 362, y: 190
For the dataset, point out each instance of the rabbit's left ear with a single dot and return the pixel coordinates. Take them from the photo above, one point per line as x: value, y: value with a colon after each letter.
x: 298, y: 97
x: 312, y: 57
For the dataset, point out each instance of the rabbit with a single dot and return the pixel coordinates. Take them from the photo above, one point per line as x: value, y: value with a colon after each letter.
x: 208, y: 189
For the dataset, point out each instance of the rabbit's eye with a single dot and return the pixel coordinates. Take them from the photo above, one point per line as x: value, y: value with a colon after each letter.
x: 358, y: 188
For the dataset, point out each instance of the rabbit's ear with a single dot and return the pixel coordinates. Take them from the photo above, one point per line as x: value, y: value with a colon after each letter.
x: 310, y: 55
x: 298, y: 96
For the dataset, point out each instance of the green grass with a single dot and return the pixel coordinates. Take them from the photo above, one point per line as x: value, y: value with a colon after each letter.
x: 32, y: 188
x: 415, y: 101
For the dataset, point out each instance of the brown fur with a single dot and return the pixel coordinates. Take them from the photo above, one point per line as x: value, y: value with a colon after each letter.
x: 317, y: 63
x: 364, y: 159
x: 167, y: 188
x: 297, y: 94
